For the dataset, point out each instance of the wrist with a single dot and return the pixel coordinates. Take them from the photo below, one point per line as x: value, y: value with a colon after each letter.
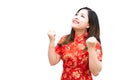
x: 51, y: 43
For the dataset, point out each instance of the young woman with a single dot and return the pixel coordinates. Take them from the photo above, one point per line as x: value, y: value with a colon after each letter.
x: 81, y: 50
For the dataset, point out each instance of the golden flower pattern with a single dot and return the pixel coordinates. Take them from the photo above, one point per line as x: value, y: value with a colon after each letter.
x: 75, y: 59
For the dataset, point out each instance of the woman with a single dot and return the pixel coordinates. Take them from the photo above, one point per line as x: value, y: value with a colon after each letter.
x: 81, y: 50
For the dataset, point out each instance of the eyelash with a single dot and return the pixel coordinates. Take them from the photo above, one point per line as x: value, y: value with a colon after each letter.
x: 82, y: 16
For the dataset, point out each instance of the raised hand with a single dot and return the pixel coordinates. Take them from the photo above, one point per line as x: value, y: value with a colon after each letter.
x: 91, y: 42
x: 51, y: 35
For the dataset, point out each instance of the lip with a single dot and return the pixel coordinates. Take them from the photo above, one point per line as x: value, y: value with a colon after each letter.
x: 75, y: 21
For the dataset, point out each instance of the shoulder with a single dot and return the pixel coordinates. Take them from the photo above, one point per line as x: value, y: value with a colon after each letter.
x: 62, y: 38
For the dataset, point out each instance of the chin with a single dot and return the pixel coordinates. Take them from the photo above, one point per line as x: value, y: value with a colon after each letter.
x: 75, y: 26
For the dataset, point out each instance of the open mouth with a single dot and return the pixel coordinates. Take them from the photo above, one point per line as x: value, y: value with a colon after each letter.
x: 75, y: 21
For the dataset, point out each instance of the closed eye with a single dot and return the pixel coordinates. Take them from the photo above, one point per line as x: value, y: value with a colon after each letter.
x: 83, y: 16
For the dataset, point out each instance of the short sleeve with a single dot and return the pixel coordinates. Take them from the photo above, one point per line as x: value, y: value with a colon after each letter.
x: 99, y: 51
x: 58, y: 49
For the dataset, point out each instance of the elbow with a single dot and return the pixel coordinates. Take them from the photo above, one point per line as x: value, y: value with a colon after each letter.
x: 96, y: 74
x: 97, y: 71
x: 54, y: 60
x: 52, y: 64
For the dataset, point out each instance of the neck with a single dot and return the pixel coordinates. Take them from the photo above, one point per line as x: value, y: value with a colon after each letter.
x: 80, y: 32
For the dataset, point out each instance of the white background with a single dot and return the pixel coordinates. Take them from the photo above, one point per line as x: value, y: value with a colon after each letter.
x: 24, y: 42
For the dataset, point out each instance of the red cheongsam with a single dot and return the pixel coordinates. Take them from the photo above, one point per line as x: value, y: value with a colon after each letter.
x: 75, y: 59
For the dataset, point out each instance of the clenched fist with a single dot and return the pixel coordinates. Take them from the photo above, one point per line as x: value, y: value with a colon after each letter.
x: 51, y: 35
x: 91, y: 42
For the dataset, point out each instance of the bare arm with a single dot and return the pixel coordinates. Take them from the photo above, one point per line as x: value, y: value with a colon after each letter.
x: 52, y: 56
x: 94, y: 64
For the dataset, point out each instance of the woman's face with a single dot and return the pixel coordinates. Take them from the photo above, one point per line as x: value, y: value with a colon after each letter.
x: 80, y: 20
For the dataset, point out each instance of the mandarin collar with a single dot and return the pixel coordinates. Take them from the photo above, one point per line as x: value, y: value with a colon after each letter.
x: 81, y: 37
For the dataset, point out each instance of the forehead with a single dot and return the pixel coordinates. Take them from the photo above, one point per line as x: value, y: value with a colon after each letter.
x: 83, y: 11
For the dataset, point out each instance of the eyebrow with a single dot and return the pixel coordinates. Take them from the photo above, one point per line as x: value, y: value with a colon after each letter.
x: 83, y: 14
x: 80, y: 13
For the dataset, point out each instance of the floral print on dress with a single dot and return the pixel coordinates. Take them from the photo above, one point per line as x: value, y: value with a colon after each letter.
x: 75, y: 58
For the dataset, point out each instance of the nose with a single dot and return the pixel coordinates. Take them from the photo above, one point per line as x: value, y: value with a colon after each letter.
x: 75, y: 17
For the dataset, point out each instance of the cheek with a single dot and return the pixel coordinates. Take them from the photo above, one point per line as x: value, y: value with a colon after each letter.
x: 84, y: 23
x: 81, y: 25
